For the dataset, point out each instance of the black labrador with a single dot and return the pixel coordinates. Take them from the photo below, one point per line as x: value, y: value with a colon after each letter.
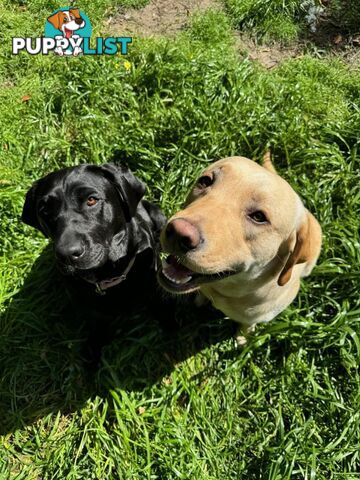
x: 105, y: 236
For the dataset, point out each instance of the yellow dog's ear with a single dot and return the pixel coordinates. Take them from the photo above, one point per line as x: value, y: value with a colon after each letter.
x: 56, y: 19
x: 267, y: 163
x: 307, y: 247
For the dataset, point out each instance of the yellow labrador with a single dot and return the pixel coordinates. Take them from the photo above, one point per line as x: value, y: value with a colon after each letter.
x: 244, y: 239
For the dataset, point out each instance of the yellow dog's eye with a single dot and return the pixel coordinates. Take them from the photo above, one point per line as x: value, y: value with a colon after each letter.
x: 258, y: 217
x: 91, y: 201
x: 205, y: 181
x: 65, y: 20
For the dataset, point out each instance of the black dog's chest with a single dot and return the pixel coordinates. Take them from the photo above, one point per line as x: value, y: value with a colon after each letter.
x: 135, y: 290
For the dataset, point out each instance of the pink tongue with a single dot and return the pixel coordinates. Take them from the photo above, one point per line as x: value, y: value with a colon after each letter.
x: 68, y: 33
x: 174, y: 269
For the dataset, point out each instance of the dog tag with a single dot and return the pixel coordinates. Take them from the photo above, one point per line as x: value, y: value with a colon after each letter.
x: 99, y: 290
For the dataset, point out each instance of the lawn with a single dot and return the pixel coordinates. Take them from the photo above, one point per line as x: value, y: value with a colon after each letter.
x: 188, y: 405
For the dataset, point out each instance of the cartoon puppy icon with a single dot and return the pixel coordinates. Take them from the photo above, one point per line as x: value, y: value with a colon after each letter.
x: 68, y: 21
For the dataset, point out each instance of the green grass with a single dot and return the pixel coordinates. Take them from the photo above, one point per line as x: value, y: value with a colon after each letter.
x: 268, y: 19
x: 189, y: 406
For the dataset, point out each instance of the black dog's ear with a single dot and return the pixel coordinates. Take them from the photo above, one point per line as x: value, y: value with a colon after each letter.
x: 29, y: 214
x: 130, y: 188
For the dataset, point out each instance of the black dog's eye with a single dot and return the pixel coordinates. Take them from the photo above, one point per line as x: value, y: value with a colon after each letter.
x: 258, y: 217
x: 91, y: 201
x: 205, y: 181
x: 43, y: 211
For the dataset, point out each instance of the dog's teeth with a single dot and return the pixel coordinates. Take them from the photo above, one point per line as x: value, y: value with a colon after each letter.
x: 176, y: 280
x: 184, y: 280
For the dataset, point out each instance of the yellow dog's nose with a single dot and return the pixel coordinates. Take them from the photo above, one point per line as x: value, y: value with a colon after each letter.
x: 182, y: 236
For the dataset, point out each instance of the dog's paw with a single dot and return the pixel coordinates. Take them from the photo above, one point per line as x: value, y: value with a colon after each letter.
x: 59, y: 51
x: 242, y: 334
x: 240, y: 341
x: 77, y: 51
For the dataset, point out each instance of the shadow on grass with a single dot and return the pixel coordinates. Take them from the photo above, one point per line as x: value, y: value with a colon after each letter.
x: 44, y: 346
x: 338, y: 23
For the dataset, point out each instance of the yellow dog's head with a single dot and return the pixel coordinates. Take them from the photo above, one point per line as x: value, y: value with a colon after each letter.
x: 241, y: 219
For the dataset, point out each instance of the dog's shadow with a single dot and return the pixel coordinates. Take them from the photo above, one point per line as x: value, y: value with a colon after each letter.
x: 45, y: 367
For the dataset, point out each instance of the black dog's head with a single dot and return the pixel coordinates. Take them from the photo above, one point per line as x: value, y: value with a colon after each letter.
x: 87, y: 211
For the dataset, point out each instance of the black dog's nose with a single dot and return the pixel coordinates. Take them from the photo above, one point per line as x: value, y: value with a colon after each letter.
x: 182, y: 236
x: 70, y: 250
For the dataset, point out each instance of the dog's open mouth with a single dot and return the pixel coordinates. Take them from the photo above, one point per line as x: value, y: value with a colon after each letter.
x: 68, y: 32
x: 175, y: 277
